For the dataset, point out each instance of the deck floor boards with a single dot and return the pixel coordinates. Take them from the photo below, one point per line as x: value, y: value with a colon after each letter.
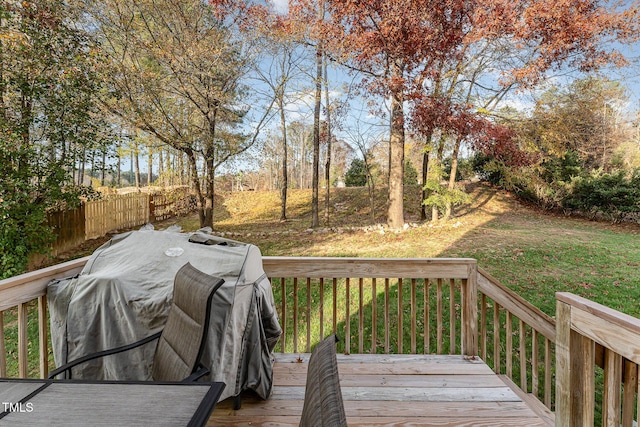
x: 392, y: 390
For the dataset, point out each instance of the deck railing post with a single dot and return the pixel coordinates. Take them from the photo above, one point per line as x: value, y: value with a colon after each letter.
x: 563, y: 364
x: 470, y: 312
x: 582, y: 373
x: 575, y: 371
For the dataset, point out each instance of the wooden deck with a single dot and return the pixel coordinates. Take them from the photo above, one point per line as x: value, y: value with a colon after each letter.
x: 395, y: 390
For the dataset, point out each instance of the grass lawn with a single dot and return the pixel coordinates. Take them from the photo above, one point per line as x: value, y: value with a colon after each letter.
x: 533, y: 252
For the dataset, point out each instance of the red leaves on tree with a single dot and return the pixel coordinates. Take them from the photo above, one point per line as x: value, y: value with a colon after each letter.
x: 430, y: 115
x: 246, y: 14
x: 401, y: 45
x: 408, y: 35
x: 558, y: 32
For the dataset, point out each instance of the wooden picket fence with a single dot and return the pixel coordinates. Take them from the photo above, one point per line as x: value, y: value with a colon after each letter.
x: 96, y: 218
x: 114, y: 213
x: 69, y: 228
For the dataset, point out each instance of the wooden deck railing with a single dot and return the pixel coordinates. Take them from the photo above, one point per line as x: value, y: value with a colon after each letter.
x: 393, y: 306
x: 378, y: 305
x: 591, y: 335
x: 23, y: 309
x: 517, y: 339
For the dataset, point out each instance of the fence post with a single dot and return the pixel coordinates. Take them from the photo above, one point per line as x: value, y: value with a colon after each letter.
x: 470, y: 312
x: 575, y: 375
x: 563, y: 364
x: 152, y: 210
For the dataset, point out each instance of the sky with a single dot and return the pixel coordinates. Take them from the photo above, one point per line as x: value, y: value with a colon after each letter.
x: 281, y: 6
x: 629, y: 76
x: 301, y: 109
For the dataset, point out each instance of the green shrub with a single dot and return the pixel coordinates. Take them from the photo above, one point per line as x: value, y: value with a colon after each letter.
x: 410, y: 174
x: 615, y: 196
x: 439, y: 195
x: 356, y: 176
x: 562, y: 169
x: 23, y: 231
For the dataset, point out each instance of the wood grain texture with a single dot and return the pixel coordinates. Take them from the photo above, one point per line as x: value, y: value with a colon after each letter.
x: 531, y: 401
x: 317, y: 267
x: 582, y: 379
x: 29, y: 286
x: 563, y: 364
x: 607, y: 333
x: 603, y: 312
x: 470, y: 312
x: 23, y: 359
x: 629, y: 394
x: 395, y: 390
x: 611, y: 400
x: 517, y: 305
x: 42, y: 337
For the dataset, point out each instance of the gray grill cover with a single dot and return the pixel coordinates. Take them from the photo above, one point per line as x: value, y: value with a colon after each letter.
x: 124, y: 292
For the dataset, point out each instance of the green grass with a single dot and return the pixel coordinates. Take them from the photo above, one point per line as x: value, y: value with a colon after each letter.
x: 534, y: 253
x: 10, y: 318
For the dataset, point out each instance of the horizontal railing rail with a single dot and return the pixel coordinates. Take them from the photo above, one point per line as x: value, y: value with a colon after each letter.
x: 25, y: 298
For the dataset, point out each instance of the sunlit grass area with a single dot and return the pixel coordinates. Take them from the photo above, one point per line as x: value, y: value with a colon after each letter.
x: 534, y: 253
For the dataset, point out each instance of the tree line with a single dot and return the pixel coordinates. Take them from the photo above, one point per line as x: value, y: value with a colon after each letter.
x: 209, y: 89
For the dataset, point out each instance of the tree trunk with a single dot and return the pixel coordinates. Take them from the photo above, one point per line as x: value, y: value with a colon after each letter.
x: 182, y: 167
x: 161, y: 164
x: 170, y: 171
x: 81, y: 166
x: 150, y: 167
x: 93, y: 173
x: 425, y: 175
x: 136, y: 166
x: 209, y: 190
x: 327, y: 166
x: 74, y: 170
x: 119, y: 160
x: 454, y: 172
x: 285, y: 154
x: 395, y: 214
x: 104, y: 166
x: 195, y: 182
x: 118, y: 167
x: 372, y: 191
x: 188, y: 170
x: 315, y: 222
x: 438, y: 163
x: 435, y: 213
x: 131, y: 170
